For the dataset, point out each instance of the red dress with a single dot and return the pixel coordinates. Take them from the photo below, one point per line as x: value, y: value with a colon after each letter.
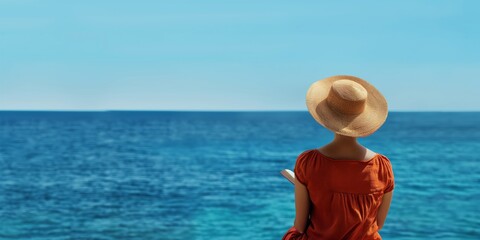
x: 345, y: 196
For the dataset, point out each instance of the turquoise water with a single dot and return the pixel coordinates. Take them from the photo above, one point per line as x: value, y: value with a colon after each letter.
x: 215, y: 175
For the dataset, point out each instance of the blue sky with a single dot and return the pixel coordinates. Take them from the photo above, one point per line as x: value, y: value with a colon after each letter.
x: 234, y: 55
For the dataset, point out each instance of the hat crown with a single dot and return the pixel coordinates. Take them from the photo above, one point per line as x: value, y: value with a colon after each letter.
x: 347, y: 97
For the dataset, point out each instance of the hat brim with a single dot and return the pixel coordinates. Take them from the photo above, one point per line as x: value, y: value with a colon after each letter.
x: 360, y: 125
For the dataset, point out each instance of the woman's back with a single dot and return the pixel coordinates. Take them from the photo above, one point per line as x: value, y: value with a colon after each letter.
x: 345, y: 194
x: 341, y: 198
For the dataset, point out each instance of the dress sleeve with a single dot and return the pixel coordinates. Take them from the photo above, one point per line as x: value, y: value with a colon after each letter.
x: 390, y: 184
x: 300, y: 168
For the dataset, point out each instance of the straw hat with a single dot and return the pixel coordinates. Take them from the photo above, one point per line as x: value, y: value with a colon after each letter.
x: 347, y: 105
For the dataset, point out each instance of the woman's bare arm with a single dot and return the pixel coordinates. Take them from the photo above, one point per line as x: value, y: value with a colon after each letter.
x: 302, y: 206
x: 383, y: 209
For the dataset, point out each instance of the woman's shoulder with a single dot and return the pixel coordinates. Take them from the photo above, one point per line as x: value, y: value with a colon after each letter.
x: 306, y: 153
x: 310, y: 151
x: 385, y: 164
x: 383, y: 157
x: 307, y: 157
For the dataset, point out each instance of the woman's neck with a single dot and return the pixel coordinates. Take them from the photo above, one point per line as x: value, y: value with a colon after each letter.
x: 345, y: 147
x: 344, y: 140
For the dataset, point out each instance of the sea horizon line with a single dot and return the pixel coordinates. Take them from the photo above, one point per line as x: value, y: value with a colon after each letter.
x: 210, y: 110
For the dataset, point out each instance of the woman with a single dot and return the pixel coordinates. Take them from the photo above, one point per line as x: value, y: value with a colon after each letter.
x: 343, y: 190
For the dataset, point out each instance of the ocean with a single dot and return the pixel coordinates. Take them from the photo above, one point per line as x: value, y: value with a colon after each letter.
x: 215, y: 175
